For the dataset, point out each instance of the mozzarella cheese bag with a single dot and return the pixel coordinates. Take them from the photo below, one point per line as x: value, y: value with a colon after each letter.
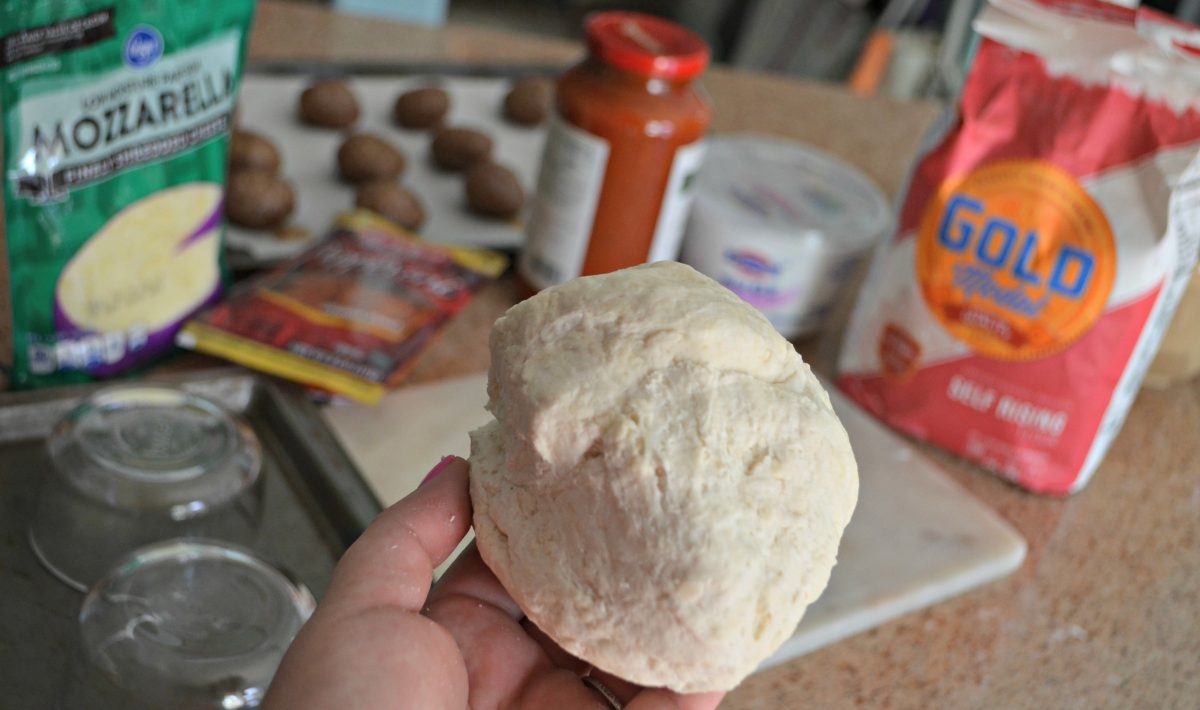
x: 116, y: 122
x: 1046, y: 236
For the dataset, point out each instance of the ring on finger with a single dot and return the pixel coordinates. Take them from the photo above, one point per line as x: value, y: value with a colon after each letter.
x: 603, y: 690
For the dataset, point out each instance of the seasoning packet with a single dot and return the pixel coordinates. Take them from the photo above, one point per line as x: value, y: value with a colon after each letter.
x: 350, y: 314
x: 1044, y: 241
x: 116, y: 116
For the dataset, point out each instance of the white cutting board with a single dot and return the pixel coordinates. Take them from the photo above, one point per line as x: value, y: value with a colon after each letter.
x: 267, y: 105
x: 916, y: 537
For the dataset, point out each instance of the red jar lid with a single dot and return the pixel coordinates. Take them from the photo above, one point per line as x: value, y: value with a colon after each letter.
x: 648, y: 45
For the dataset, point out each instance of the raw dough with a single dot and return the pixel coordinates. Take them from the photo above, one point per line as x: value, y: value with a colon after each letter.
x: 665, y: 483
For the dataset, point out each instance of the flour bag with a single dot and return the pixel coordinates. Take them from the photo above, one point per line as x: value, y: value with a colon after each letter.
x: 1046, y: 235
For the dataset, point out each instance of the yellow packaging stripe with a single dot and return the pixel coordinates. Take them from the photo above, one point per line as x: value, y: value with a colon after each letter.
x: 274, y: 361
x: 314, y: 315
x: 483, y: 261
x: 488, y: 263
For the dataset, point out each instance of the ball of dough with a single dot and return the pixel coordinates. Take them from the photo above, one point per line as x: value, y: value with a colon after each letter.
x: 460, y: 148
x: 392, y: 202
x: 328, y: 103
x: 365, y: 157
x: 665, y: 483
x: 493, y: 190
x: 528, y: 102
x: 250, y: 151
x: 421, y: 108
x: 258, y: 199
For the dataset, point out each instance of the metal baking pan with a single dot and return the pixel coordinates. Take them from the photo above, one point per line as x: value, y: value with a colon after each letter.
x: 435, y: 68
x: 315, y: 504
x: 266, y: 106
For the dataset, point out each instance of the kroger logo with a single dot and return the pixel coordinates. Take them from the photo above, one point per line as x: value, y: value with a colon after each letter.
x: 751, y: 264
x: 143, y: 47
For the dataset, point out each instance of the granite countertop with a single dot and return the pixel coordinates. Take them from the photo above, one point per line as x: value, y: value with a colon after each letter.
x: 1105, y: 611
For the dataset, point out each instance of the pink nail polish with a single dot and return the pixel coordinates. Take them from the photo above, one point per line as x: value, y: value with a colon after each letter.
x: 441, y: 466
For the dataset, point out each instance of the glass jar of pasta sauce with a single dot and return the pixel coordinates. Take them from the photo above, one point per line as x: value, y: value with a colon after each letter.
x: 624, y: 145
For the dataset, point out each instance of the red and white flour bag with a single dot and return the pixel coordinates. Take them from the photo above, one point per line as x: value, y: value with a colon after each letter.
x: 1047, y: 233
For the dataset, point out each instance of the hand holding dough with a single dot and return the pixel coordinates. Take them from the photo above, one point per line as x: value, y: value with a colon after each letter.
x: 665, y: 483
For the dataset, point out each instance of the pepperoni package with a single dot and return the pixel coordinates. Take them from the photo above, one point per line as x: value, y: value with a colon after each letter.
x: 1047, y: 233
x: 351, y: 314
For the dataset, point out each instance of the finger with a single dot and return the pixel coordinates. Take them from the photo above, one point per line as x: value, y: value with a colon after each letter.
x: 500, y: 658
x: 626, y: 692
x: 392, y: 563
x: 366, y: 646
x: 505, y: 666
x: 623, y: 689
x: 663, y: 699
x: 378, y: 657
x: 470, y: 577
x: 553, y: 651
x: 560, y: 689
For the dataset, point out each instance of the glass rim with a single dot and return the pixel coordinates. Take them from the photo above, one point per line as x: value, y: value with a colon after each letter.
x: 184, y: 550
x: 210, y: 478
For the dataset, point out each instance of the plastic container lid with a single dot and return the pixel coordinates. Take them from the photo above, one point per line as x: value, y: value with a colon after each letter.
x: 793, y: 190
x: 146, y: 447
x: 647, y: 45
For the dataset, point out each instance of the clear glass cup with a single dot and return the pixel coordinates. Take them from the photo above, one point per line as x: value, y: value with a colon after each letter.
x: 183, y: 624
x: 134, y: 464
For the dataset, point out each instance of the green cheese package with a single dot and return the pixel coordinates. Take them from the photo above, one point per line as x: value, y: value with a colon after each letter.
x: 116, y: 119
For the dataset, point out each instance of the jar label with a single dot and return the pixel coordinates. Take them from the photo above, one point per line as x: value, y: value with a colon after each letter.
x: 564, y: 208
x: 677, y: 201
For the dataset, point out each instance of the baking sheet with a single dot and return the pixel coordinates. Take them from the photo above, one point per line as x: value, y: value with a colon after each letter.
x: 267, y: 105
x: 314, y: 502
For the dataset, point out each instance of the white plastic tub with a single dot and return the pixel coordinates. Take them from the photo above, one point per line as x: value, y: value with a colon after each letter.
x: 782, y: 225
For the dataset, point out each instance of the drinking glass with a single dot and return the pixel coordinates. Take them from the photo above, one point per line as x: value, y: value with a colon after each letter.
x: 183, y: 624
x: 134, y: 464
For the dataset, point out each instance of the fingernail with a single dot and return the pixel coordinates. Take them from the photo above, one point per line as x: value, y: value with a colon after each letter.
x: 441, y: 466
